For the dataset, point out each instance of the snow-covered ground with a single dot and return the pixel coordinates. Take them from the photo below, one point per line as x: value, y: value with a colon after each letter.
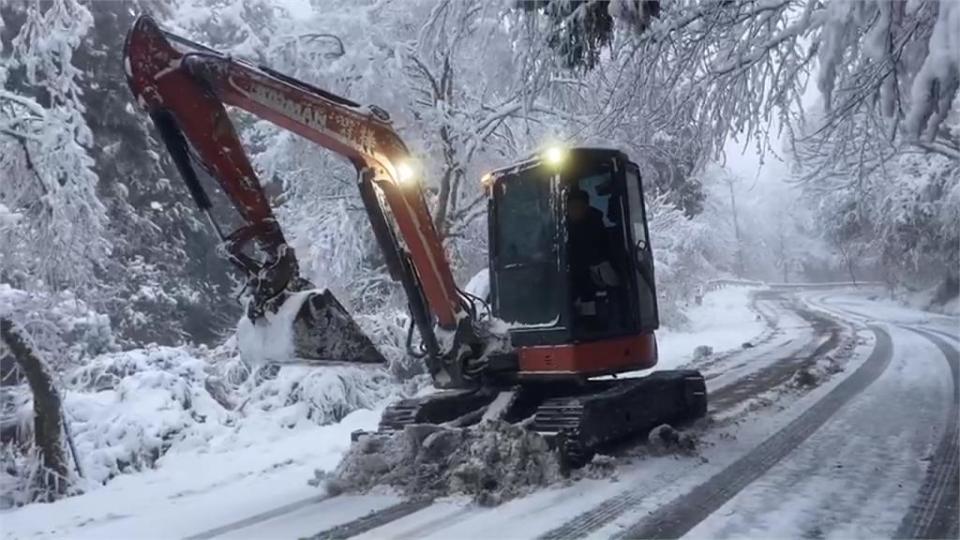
x: 250, y: 479
x: 234, y: 466
x: 238, y: 473
x: 857, y: 475
x: 876, y: 307
x: 723, y: 322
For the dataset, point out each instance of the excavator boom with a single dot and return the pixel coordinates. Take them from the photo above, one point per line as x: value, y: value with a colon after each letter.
x: 185, y: 87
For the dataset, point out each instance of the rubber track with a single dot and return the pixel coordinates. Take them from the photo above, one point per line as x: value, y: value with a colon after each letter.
x: 373, y: 520
x: 680, y: 515
x: 934, y: 513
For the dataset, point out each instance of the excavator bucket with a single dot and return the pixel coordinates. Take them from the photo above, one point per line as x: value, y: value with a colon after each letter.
x: 323, y: 331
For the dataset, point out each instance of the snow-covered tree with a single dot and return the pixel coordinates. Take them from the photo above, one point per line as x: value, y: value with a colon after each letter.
x: 54, y: 226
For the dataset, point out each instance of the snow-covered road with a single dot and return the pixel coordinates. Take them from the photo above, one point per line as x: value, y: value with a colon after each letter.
x: 837, y: 419
x: 858, y: 473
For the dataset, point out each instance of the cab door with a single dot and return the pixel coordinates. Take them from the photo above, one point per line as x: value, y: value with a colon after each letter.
x: 642, y: 252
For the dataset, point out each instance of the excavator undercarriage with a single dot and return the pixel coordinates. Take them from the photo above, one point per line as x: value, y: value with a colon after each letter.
x: 577, y: 419
x: 571, y: 267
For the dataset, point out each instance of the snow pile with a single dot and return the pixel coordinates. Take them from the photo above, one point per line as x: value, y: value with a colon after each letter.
x: 943, y: 298
x: 664, y: 439
x: 814, y: 375
x: 825, y: 366
x: 723, y: 322
x: 492, y: 462
x: 270, y: 338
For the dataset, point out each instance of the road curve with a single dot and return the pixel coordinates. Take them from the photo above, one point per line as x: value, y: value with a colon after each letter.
x: 681, y: 515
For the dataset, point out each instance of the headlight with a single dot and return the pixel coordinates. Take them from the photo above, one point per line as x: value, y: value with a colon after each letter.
x: 406, y: 173
x: 554, y: 155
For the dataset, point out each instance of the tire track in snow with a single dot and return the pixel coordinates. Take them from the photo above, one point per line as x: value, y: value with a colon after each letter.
x: 680, y: 515
x: 934, y: 513
x: 781, y: 372
x: 373, y: 520
x: 257, y: 518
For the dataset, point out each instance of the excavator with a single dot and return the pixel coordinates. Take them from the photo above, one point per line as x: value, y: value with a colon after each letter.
x: 571, y: 304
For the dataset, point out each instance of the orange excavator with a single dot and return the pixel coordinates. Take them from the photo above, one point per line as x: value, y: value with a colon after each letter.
x: 571, y: 296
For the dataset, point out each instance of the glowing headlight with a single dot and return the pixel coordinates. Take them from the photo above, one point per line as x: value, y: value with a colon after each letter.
x: 406, y: 173
x: 554, y: 155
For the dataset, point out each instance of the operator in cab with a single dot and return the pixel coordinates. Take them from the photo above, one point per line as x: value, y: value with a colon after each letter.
x: 589, y: 254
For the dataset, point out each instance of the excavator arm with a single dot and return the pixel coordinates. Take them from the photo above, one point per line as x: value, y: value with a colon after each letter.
x: 185, y: 87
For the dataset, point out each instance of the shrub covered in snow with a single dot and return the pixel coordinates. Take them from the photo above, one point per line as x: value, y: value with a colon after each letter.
x: 125, y: 410
x: 60, y: 324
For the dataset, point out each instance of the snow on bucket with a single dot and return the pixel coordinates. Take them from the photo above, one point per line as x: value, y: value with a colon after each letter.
x: 308, y: 325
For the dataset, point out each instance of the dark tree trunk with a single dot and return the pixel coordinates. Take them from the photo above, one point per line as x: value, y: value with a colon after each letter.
x: 47, y: 417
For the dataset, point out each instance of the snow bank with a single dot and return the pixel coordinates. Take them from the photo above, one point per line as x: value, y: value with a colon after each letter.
x: 724, y: 321
x: 492, y: 462
x: 936, y: 299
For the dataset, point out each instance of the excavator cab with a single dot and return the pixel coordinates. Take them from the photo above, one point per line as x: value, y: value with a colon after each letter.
x: 571, y: 264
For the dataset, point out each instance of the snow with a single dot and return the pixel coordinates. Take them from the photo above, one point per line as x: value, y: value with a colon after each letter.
x: 8, y: 217
x: 940, y: 68
x: 171, y: 67
x: 830, y: 482
x: 234, y: 474
x: 723, y: 322
x: 869, y: 307
x: 479, y: 284
x: 218, y: 464
x: 60, y: 324
x: 492, y: 461
x: 258, y: 458
x: 314, y: 518
x: 500, y: 326
x: 270, y: 338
